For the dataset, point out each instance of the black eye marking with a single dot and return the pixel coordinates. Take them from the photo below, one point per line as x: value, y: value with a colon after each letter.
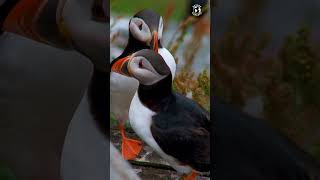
x: 140, y: 64
x: 140, y: 26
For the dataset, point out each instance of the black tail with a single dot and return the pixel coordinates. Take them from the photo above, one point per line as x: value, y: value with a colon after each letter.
x: 98, y: 99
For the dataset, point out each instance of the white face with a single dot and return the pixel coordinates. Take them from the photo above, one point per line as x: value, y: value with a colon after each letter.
x: 141, y: 31
x: 141, y: 69
x: 160, y: 29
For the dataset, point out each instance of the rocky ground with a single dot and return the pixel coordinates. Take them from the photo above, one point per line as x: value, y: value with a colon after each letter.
x: 148, y: 165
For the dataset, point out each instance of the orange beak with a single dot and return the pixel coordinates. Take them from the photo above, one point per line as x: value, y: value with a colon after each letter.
x: 22, y: 17
x: 120, y: 66
x: 155, y: 44
x: 34, y: 20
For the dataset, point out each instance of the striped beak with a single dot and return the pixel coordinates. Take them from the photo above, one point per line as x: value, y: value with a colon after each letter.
x: 154, y: 41
x: 121, y: 66
x: 22, y: 18
x: 36, y: 20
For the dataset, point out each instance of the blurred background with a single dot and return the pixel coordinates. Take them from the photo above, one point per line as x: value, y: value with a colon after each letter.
x: 266, y: 61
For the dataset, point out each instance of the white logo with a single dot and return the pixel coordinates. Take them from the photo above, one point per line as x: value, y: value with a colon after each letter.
x: 196, y: 10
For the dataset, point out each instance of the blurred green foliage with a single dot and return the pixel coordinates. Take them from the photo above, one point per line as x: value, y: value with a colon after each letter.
x: 129, y: 7
x: 300, y: 66
x: 316, y: 150
x: 114, y: 122
x: 287, y: 79
x: 6, y: 173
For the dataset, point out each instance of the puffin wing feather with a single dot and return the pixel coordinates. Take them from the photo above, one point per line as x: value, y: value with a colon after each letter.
x: 182, y: 131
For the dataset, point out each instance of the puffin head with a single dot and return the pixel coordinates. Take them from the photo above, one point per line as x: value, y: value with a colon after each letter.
x: 85, y: 24
x: 66, y: 24
x: 147, y: 66
x: 146, y: 26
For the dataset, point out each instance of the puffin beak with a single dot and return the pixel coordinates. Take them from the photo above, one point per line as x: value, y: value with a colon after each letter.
x: 154, y: 41
x: 121, y: 66
x: 21, y: 19
x: 34, y: 19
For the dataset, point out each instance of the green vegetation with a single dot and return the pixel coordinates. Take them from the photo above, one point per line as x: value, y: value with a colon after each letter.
x: 288, y: 80
x: 129, y: 7
x: 6, y: 173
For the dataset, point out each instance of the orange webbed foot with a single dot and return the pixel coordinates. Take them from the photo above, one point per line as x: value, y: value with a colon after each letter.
x: 130, y: 148
x: 191, y: 176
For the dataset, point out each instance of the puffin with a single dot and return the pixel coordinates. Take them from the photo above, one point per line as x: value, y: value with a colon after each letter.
x: 246, y: 147
x: 68, y: 27
x: 145, y: 32
x: 176, y: 127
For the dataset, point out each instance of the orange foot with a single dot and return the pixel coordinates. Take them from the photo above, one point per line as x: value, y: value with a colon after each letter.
x: 130, y: 148
x: 191, y: 176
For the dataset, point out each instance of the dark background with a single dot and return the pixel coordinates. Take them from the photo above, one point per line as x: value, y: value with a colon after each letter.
x: 266, y: 61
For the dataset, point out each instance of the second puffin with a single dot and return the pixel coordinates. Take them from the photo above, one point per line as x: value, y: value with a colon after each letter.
x: 176, y: 127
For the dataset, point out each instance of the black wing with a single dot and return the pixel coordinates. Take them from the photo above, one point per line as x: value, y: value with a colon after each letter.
x: 250, y: 149
x: 182, y: 131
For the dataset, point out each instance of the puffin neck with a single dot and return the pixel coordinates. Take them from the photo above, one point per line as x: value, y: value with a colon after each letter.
x: 5, y: 9
x: 156, y: 96
x: 133, y: 45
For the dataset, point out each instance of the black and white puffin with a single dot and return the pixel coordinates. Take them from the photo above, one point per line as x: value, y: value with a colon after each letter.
x: 248, y: 148
x: 176, y: 127
x: 49, y: 112
x: 145, y: 32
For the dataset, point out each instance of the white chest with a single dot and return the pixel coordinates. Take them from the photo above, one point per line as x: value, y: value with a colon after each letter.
x: 122, y: 90
x: 140, y: 120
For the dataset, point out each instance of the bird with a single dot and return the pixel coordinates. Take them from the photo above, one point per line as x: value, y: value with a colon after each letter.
x: 68, y: 25
x: 145, y: 32
x: 58, y: 27
x: 176, y: 127
x: 245, y: 147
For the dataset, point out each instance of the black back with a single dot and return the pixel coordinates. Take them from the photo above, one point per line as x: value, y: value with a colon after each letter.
x: 247, y: 148
x: 182, y: 130
x: 181, y: 127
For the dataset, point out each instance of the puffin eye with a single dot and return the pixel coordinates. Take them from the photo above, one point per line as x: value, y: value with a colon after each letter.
x: 140, y: 64
x: 140, y: 30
